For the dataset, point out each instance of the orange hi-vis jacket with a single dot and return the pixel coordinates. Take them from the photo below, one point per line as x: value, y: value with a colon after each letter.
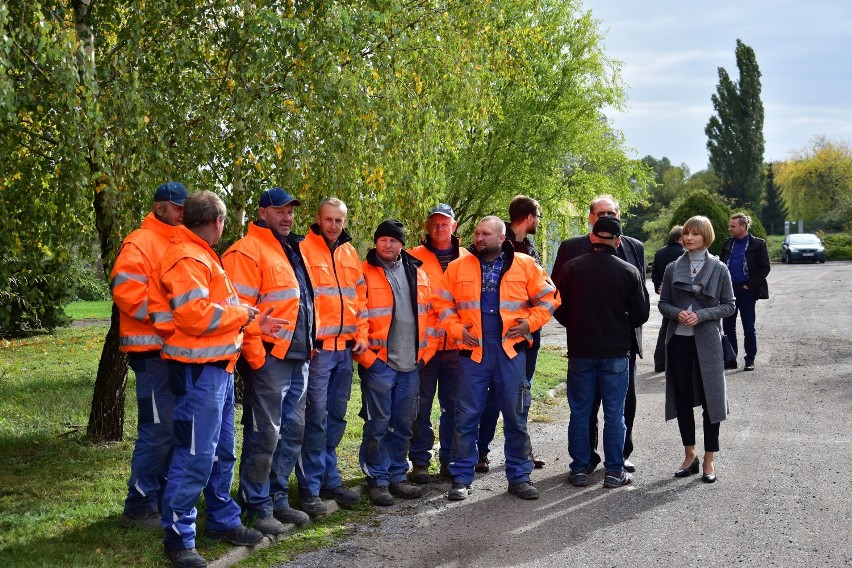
x: 341, y: 290
x: 206, y: 321
x: 380, y: 309
x: 432, y: 267
x: 526, y: 292
x: 134, y: 268
x: 263, y: 276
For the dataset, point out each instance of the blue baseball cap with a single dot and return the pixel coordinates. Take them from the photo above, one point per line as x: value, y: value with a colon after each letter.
x: 277, y: 197
x: 443, y: 209
x: 173, y: 191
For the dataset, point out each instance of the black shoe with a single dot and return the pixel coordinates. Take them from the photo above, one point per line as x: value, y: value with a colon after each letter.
x: 731, y: 365
x: 381, y: 496
x: 687, y: 471
x: 405, y: 490
x: 143, y: 521
x: 482, y: 465
x: 420, y: 474
x: 628, y: 466
x: 578, y: 479
x: 524, y: 490
x: 238, y: 536
x: 270, y: 526
x: 292, y: 516
x: 613, y: 479
x: 186, y: 558
x: 593, y: 463
x: 313, y: 505
x: 459, y: 492
x: 749, y: 366
x: 342, y: 496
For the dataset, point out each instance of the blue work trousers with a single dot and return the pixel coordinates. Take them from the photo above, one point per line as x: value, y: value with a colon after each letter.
x: 203, y: 453
x: 389, y: 406
x: 588, y: 377
x: 441, y: 374
x: 512, y: 390
x: 273, y: 427
x: 746, y: 303
x: 152, y: 452
x: 329, y: 389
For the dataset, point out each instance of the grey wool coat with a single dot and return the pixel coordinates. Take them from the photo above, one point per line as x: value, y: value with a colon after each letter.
x: 714, y: 301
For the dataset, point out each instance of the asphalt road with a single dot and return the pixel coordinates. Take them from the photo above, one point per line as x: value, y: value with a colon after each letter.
x: 783, y: 491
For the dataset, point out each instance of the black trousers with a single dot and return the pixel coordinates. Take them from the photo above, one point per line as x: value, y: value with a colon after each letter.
x: 683, y: 366
x: 629, y: 416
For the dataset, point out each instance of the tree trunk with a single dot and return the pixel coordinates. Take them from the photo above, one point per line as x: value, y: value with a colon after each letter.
x: 106, y: 419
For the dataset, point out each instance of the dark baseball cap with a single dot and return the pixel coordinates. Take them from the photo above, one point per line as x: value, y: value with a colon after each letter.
x: 609, y: 225
x: 443, y: 209
x: 173, y: 191
x: 277, y: 197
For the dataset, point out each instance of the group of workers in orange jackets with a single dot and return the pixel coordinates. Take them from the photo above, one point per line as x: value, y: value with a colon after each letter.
x: 293, y: 314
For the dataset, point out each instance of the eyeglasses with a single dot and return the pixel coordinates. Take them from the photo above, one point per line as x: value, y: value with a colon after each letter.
x: 600, y: 214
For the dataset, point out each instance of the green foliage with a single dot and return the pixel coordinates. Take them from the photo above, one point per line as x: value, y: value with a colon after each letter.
x: 735, y: 133
x: 87, y: 283
x: 33, y: 291
x: 774, y: 211
x: 838, y: 246
x: 712, y: 207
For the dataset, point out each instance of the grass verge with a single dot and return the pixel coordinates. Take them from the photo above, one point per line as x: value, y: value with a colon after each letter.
x: 100, y: 310
x: 61, y: 495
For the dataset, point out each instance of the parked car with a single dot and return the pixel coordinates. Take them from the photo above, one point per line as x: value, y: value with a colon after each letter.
x: 802, y: 247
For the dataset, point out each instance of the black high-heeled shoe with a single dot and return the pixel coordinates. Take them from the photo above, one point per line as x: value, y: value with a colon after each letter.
x: 708, y: 477
x: 687, y: 471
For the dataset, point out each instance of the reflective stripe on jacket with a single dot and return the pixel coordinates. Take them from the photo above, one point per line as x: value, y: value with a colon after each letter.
x: 380, y: 309
x: 134, y: 268
x: 525, y: 292
x: 263, y: 276
x: 432, y: 267
x: 206, y: 321
x: 341, y: 290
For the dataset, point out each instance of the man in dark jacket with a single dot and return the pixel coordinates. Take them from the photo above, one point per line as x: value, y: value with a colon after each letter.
x: 669, y: 253
x: 632, y: 251
x: 604, y: 300
x: 748, y: 262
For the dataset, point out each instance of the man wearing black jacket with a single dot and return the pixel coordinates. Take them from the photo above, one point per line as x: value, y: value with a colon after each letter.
x: 632, y: 251
x: 669, y: 253
x: 604, y: 300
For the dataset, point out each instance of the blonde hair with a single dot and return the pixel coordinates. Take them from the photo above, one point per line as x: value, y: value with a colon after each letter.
x: 702, y: 226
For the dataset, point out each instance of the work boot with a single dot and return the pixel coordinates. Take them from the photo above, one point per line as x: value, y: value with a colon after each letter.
x: 186, y: 558
x: 524, y: 490
x: 238, y: 536
x: 380, y: 496
x: 459, y: 492
x: 420, y: 474
x: 143, y: 521
x: 405, y: 490
x: 291, y: 516
x: 313, y: 505
x: 482, y: 465
x: 343, y: 496
x: 269, y: 525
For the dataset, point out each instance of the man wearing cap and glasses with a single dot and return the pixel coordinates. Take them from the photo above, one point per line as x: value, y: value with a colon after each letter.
x: 603, y: 301
x: 441, y: 373
x: 268, y: 271
x: 632, y: 251
x: 138, y: 257
x: 398, y: 304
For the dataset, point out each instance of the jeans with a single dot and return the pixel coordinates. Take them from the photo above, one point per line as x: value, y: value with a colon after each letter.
x: 203, y: 457
x: 273, y: 428
x: 512, y: 392
x: 587, y: 377
x: 153, y: 449
x: 389, y: 406
x: 746, y: 309
x: 629, y: 415
x: 440, y: 374
x: 329, y: 388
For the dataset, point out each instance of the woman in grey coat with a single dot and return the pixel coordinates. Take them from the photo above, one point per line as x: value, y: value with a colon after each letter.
x: 696, y: 295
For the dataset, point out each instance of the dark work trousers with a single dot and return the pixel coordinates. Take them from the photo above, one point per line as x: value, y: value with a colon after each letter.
x: 683, y: 366
x: 629, y: 415
x: 745, y: 309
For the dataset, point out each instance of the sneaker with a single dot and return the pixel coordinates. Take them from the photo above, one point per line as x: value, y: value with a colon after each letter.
x: 186, y: 558
x: 290, y: 516
x: 342, y: 496
x: 615, y: 479
x: 482, y: 465
x: 269, y: 525
x: 420, y: 474
x: 405, y: 490
x: 313, y: 505
x: 143, y: 521
x: 629, y: 466
x: 524, y: 490
x: 240, y: 535
x: 459, y: 492
x: 381, y: 497
x: 578, y: 479
x: 749, y: 366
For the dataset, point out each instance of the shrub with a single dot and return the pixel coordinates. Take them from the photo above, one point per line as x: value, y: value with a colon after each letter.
x: 838, y: 246
x: 711, y: 206
x: 33, y: 292
x: 88, y: 283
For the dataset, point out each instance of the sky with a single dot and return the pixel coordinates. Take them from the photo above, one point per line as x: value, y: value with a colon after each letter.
x: 671, y: 51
